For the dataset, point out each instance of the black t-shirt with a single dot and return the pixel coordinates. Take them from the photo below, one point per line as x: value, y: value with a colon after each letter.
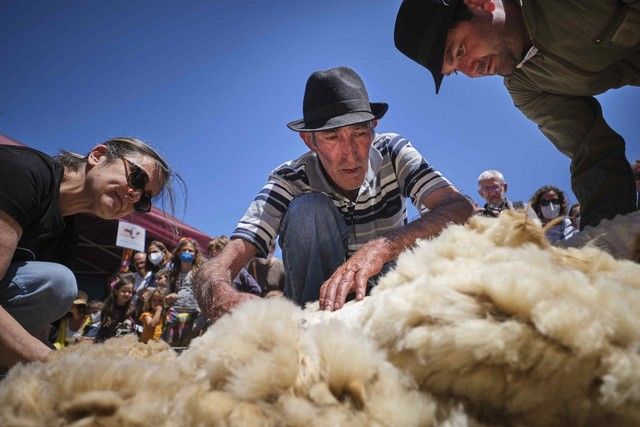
x: 29, y: 192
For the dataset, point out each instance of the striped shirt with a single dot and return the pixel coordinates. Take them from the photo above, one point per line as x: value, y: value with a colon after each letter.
x: 396, y: 171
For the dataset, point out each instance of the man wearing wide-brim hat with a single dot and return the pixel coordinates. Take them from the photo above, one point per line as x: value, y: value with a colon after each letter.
x: 555, y: 55
x: 340, y: 208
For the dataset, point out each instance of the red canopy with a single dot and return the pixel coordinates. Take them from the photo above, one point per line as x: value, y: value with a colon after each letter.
x: 98, y: 257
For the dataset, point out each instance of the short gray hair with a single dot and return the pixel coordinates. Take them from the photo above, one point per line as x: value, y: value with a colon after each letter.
x: 491, y: 174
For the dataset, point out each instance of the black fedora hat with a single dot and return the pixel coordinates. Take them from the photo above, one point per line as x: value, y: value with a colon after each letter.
x: 421, y: 32
x: 336, y: 98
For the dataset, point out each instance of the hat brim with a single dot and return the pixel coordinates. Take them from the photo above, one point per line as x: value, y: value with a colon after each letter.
x: 431, y: 33
x: 378, y: 110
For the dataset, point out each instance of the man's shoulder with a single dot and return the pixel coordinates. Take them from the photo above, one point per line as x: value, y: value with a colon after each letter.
x: 293, y: 170
x: 385, y: 138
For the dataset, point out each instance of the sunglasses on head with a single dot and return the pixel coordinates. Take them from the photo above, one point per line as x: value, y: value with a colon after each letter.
x: 137, y: 180
x: 545, y: 202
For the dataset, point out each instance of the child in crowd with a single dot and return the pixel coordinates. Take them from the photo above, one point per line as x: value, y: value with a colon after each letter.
x: 95, y: 312
x: 72, y: 325
x: 180, y: 317
x: 117, y: 314
x: 162, y: 280
x: 152, y: 317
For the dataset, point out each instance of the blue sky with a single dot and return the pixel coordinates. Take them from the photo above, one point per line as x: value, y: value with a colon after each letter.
x: 212, y: 84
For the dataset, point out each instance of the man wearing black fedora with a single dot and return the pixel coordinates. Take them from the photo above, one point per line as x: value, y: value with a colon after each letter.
x: 554, y: 56
x: 340, y: 208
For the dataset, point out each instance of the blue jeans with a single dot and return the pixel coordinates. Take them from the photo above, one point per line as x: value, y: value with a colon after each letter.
x: 37, y: 293
x: 313, y: 238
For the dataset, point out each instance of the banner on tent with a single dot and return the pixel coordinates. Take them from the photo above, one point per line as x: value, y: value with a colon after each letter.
x: 130, y: 236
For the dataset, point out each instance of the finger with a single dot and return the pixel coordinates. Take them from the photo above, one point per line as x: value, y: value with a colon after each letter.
x: 330, y: 294
x: 343, y: 288
x: 323, y: 291
x: 361, y: 285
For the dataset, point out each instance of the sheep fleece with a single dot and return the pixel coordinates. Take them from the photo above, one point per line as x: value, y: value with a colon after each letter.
x: 485, y: 325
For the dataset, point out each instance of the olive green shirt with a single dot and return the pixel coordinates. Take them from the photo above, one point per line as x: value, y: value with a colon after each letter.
x: 585, y: 48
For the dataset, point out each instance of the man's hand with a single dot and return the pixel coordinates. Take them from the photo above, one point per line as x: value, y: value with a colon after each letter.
x: 445, y: 205
x: 226, y: 299
x: 214, y: 291
x: 354, y: 274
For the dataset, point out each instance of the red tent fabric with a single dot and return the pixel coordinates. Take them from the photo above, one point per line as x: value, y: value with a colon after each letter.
x: 98, y: 257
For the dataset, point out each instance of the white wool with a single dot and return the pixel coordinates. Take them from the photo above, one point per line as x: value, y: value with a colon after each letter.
x: 486, y: 322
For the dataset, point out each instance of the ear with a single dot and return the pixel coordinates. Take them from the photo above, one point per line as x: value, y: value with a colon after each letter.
x: 308, y: 140
x: 374, y: 124
x: 480, y: 193
x: 96, y: 154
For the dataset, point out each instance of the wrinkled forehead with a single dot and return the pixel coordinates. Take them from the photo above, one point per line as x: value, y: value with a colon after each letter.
x: 490, y: 182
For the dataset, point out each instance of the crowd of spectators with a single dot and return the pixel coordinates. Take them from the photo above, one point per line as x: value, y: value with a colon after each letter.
x: 156, y: 299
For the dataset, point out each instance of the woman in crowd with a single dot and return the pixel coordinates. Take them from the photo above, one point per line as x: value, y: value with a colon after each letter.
x: 39, y: 197
x: 152, y: 317
x: 117, y: 314
x: 72, y: 326
x: 184, y: 310
x: 551, y: 205
x: 158, y: 257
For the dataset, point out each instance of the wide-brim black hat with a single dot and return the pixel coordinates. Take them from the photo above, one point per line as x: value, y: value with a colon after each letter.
x: 421, y: 32
x: 336, y: 98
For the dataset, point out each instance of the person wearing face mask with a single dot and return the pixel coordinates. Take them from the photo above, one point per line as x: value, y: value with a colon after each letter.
x: 158, y: 258
x: 551, y: 205
x: 186, y: 260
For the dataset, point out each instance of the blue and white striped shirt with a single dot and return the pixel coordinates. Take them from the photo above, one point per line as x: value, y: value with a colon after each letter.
x: 396, y: 171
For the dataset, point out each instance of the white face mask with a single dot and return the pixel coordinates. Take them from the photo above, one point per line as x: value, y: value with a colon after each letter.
x: 155, y: 258
x: 550, y: 211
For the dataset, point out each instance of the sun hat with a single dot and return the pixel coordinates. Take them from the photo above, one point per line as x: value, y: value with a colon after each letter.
x: 335, y: 98
x: 81, y: 298
x: 421, y: 32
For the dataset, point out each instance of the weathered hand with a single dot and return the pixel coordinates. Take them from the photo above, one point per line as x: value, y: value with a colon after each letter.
x: 226, y: 300
x: 353, y: 275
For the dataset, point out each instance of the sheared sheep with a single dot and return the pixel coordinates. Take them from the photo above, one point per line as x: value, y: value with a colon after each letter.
x: 487, y: 322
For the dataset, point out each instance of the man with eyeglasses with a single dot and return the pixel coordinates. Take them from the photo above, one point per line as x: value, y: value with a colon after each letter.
x: 492, y: 187
x: 39, y: 197
x: 340, y: 208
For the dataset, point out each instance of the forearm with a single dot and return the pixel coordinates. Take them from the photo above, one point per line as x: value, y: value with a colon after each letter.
x: 454, y: 209
x: 213, y: 282
x: 16, y: 344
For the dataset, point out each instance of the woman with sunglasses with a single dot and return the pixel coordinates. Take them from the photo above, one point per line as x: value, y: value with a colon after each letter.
x: 552, y: 206
x: 39, y: 196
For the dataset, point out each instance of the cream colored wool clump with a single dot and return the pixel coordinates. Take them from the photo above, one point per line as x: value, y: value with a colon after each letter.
x: 486, y: 322
x: 261, y: 366
x: 491, y: 315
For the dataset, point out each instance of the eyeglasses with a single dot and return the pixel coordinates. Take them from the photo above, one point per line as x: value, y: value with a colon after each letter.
x: 545, y: 202
x: 137, y: 180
